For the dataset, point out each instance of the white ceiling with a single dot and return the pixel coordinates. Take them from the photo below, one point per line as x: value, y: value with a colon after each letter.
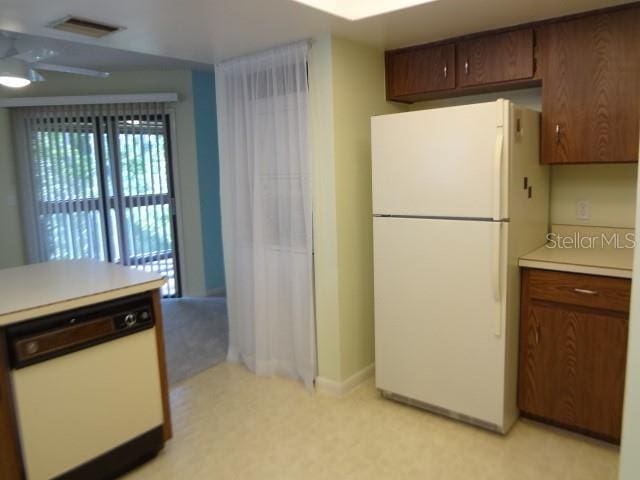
x: 81, y: 55
x: 208, y: 31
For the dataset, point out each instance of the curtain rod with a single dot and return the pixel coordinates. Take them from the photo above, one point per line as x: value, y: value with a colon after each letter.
x: 88, y: 100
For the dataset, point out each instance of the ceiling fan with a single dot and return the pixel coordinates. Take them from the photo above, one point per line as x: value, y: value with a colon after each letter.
x: 19, y: 69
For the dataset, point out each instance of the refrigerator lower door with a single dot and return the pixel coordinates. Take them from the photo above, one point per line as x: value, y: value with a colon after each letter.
x: 439, y: 308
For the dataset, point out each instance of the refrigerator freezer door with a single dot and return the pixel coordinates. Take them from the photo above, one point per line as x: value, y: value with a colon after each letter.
x: 438, y: 316
x: 445, y: 162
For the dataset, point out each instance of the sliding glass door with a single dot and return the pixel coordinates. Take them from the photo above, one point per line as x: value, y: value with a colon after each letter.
x: 139, y: 184
x: 104, y: 189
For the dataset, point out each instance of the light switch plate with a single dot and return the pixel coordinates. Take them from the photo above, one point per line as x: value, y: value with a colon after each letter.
x: 583, y: 210
x: 12, y: 200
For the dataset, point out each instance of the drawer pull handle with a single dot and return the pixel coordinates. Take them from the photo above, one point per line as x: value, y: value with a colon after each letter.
x: 585, y: 291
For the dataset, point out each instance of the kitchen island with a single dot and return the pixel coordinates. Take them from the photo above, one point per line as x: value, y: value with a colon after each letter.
x: 87, y: 332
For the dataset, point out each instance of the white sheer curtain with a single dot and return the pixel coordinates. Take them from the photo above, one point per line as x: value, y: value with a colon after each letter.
x: 266, y: 211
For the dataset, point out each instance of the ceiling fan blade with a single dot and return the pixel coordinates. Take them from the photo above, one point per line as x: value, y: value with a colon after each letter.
x: 75, y: 70
x: 35, y: 55
x: 35, y: 76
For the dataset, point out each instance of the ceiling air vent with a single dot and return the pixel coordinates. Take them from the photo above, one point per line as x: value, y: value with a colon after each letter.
x: 85, y: 27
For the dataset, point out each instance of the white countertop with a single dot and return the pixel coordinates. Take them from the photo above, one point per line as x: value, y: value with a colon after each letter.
x: 585, y: 249
x: 611, y: 262
x: 46, y: 288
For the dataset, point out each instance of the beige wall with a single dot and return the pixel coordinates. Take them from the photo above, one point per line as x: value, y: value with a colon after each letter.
x: 358, y: 94
x: 346, y: 89
x: 529, y: 97
x: 188, y: 199
x: 11, y: 245
x: 325, y: 235
x: 611, y: 189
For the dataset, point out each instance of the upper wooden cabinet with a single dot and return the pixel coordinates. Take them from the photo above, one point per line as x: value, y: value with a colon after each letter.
x: 500, y: 57
x: 496, y: 61
x: 590, y: 68
x: 588, y: 65
x: 420, y: 70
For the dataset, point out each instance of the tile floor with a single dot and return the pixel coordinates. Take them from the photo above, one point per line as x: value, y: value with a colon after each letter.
x: 230, y: 424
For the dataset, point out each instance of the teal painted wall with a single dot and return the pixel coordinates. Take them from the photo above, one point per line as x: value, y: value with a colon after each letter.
x: 206, y: 125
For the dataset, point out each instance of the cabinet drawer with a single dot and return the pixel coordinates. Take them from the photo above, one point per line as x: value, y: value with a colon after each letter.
x: 576, y: 289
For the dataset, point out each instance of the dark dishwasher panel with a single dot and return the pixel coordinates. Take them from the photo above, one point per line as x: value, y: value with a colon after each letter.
x: 49, y: 337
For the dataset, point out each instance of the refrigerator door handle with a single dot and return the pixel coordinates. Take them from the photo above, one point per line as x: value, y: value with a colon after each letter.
x: 497, y: 176
x: 496, y: 273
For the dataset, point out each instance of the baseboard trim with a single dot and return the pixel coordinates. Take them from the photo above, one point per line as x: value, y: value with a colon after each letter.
x: 217, y: 292
x: 326, y: 385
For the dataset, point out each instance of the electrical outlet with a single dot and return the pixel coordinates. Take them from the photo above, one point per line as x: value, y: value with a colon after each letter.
x: 12, y: 200
x: 583, y: 210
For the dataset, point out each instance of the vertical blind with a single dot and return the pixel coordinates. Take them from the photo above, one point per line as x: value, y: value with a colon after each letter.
x: 95, y: 182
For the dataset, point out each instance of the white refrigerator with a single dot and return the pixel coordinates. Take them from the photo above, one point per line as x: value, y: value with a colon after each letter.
x: 458, y: 196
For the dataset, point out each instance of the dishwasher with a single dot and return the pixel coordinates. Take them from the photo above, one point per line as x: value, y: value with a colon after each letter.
x: 87, y: 390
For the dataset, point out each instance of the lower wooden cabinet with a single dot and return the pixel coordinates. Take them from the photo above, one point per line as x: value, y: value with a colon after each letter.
x: 573, y: 355
x: 10, y: 456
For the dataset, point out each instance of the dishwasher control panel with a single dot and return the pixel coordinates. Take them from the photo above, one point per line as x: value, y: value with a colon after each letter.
x: 133, y: 318
x: 49, y: 337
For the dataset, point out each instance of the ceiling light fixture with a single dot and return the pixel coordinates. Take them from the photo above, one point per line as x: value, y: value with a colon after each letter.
x: 14, y: 73
x: 359, y: 9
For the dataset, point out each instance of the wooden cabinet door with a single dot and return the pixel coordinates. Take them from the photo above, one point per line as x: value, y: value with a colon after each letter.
x: 590, y: 70
x: 10, y: 455
x: 572, y: 366
x: 495, y: 58
x: 420, y: 70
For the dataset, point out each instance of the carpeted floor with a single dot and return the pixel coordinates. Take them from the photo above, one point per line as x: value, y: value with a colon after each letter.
x: 196, y: 335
